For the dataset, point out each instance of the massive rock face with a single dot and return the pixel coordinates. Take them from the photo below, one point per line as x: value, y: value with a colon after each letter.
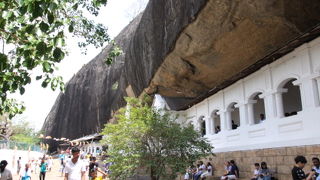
x: 181, y: 50
x: 89, y: 99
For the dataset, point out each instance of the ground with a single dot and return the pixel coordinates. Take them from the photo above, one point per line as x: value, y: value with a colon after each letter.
x: 54, y: 174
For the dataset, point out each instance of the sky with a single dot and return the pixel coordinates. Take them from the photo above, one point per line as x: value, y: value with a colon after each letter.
x: 38, y: 101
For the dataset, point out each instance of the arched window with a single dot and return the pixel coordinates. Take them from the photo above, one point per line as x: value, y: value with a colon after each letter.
x: 291, y: 98
x: 216, y: 122
x: 233, y: 118
x: 256, y: 109
x: 202, y: 125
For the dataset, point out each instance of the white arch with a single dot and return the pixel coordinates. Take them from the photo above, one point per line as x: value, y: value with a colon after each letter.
x: 253, y: 106
x: 215, y: 127
x: 282, y: 81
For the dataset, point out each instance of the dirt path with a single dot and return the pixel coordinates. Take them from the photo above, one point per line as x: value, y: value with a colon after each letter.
x: 54, y: 174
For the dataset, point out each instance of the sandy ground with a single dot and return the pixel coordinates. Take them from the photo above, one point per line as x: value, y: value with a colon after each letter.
x: 11, y: 156
x: 54, y: 174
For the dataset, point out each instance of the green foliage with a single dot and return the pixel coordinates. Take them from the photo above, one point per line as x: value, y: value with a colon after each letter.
x: 23, y: 132
x: 151, y: 139
x: 18, y: 130
x: 115, y: 51
x: 12, y: 107
x: 33, y: 34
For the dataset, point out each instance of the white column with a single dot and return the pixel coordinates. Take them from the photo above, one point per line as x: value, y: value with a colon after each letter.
x: 269, y: 105
x: 243, y: 114
x: 207, y: 122
x: 309, y: 92
x: 212, y: 125
x: 228, y: 119
x: 250, y: 113
x: 223, y: 120
x: 318, y: 87
x: 279, y: 102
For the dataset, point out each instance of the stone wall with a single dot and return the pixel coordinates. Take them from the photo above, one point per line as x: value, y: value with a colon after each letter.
x: 279, y: 160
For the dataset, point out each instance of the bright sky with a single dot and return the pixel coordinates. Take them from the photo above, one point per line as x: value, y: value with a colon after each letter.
x: 116, y: 15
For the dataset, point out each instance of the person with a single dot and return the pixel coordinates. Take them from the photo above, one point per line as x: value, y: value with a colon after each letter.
x: 256, y: 171
x: 231, y: 171
x: 208, y: 171
x: 93, y: 166
x: 50, y: 163
x: 202, y: 166
x: 43, y: 169
x: 75, y: 169
x: 25, y: 173
x: 37, y: 164
x: 198, y: 174
x: 264, y: 172
x: 316, y: 167
x: 186, y: 176
x: 262, y: 117
x: 234, y: 125
x: 218, y: 129
x: 62, y: 163
x: 94, y: 175
x: 18, y: 165
x: 234, y: 165
x: 297, y: 172
x: 5, y: 174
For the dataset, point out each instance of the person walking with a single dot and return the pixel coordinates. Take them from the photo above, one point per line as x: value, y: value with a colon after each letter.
x: 25, y: 173
x: 50, y: 163
x: 43, y: 169
x: 18, y: 165
x: 75, y: 168
x: 5, y: 174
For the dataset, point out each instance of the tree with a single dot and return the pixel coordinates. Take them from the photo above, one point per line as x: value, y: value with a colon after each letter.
x: 33, y: 35
x: 147, y: 138
x: 19, y: 130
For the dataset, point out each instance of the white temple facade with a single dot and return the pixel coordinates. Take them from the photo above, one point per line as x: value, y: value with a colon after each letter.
x: 276, y: 106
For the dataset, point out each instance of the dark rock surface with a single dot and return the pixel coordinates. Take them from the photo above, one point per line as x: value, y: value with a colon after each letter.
x: 180, y: 49
x: 89, y: 99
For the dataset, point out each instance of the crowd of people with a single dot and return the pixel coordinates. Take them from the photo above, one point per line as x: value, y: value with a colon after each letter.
x: 76, y: 167
x: 25, y: 169
x: 260, y: 172
x: 73, y: 166
x: 200, y: 171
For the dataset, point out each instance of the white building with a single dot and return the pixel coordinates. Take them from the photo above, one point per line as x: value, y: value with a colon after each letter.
x: 285, y: 94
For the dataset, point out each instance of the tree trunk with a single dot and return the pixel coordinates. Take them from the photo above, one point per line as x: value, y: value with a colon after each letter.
x: 152, y: 174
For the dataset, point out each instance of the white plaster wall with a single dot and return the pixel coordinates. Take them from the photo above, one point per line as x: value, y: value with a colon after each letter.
x: 233, y: 93
x: 276, y: 131
x: 255, y: 83
x: 315, y: 54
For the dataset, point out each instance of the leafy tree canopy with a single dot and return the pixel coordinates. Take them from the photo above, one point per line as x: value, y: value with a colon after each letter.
x: 147, y: 138
x: 18, y: 130
x: 33, y: 35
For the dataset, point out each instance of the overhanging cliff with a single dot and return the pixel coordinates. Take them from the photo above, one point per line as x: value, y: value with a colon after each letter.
x: 89, y: 99
x: 181, y: 50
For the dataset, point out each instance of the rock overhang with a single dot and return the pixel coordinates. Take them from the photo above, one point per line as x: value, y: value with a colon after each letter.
x: 226, y: 38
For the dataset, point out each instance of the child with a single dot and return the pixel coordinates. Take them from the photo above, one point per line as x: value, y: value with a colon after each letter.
x: 297, y: 172
x: 256, y: 171
x: 94, y: 175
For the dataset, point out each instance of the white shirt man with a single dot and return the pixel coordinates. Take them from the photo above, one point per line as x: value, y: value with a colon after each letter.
x: 75, y: 168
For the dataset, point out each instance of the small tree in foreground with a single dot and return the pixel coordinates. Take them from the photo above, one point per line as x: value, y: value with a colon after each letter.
x: 150, y: 139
